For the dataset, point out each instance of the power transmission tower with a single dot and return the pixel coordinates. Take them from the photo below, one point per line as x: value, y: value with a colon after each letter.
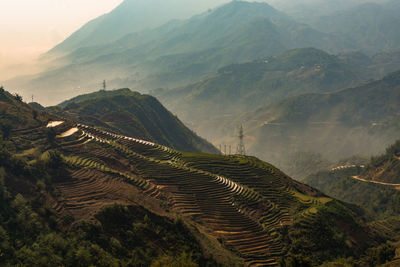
x: 241, y: 150
x: 32, y: 98
x: 104, y: 85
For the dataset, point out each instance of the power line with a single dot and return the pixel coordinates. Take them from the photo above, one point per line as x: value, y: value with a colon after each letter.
x: 104, y: 85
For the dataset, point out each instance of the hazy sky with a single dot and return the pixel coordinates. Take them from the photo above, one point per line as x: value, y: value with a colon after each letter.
x: 31, y: 27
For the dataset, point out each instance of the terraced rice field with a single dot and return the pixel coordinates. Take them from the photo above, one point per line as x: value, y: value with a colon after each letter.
x: 89, y: 190
x: 241, y: 200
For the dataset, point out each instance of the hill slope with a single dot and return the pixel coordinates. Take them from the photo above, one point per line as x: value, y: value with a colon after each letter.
x: 244, y: 87
x: 129, y: 17
x: 359, y: 120
x: 372, y: 27
x: 232, y: 205
x: 374, y: 186
x: 385, y: 168
x: 181, y: 51
x: 130, y: 113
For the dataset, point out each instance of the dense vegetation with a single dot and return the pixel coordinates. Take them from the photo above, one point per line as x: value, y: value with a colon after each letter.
x: 385, y: 168
x: 380, y: 201
x: 123, y: 236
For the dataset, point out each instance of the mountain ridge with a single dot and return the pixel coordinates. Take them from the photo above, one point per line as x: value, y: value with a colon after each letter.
x: 169, y: 56
x: 133, y: 114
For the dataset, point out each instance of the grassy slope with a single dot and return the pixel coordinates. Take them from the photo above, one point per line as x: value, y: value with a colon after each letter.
x: 133, y: 114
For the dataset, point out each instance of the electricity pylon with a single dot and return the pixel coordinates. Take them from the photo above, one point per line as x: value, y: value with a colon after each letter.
x: 241, y: 150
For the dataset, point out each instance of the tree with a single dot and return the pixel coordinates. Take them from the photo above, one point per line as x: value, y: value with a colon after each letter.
x: 2, y: 89
x: 34, y: 114
x: 6, y: 127
x: 18, y: 97
x: 51, y: 135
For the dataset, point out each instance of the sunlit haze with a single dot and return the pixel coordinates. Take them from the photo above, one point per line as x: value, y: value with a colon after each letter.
x: 30, y: 28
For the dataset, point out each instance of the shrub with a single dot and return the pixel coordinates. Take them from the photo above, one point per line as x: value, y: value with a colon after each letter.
x: 296, y: 261
x: 18, y: 97
x: 184, y: 260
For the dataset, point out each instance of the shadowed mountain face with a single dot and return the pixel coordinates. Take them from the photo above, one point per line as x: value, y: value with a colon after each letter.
x: 129, y: 17
x: 307, y: 10
x: 236, y: 209
x: 180, y: 51
x: 132, y: 114
x: 244, y: 87
x: 371, y: 27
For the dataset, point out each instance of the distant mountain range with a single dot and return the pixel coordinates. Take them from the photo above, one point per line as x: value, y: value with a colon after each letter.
x: 370, y: 27
x: 129, y: 17
x: 244, y: 87
x: 132, y: 114
x: 214, y: 107
x: 178, y: 52
x: 359, y: 120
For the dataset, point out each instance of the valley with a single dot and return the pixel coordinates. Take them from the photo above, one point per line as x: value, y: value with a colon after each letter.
x: 199, y: 134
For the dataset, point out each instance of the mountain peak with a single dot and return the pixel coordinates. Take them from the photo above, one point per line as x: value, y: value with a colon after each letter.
x: 261, y: 9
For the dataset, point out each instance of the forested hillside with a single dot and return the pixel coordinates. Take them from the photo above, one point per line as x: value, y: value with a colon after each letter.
x: 374, y: 186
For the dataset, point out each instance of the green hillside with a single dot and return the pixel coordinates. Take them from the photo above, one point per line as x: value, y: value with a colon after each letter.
x: 133, y: 114
x: 374, y: 186
x: 385, y: 168
x: 227, y: 209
